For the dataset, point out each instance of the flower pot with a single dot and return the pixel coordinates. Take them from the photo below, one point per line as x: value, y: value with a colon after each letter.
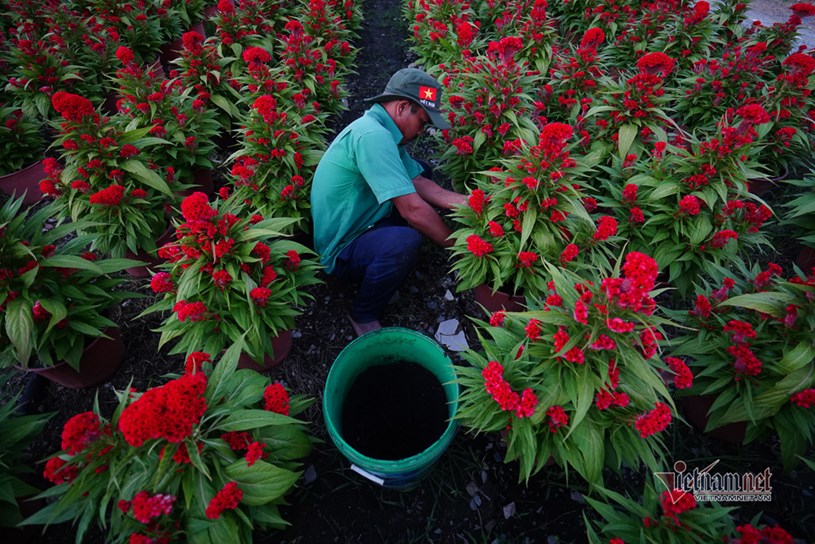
x: 25, y: 181
x: 378, y: 350
x: 150, y: 260
x: 101, y: 359
x: 171, y: 51
x: 499, y: 300
x: 281, y: 345
x: 696, y: 410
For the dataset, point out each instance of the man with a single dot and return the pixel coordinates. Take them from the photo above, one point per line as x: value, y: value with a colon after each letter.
x: 371, y: 202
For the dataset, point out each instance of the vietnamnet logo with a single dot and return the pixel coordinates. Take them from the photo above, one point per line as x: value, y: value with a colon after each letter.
x: 706, y: 485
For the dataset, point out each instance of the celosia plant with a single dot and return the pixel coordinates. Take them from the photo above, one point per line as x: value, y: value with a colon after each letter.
x: 661, y: 517
x: 107, y: 180
x: 229, y: 274
x: 752, y: 349
x: 54, y: 294
x: 576, y: 382
x: 530, y: 215
x: 205, y: 457
x: 22, y: 142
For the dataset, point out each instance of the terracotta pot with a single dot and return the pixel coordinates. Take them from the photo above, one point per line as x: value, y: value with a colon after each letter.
x: 101, y: 359
x: 25, y: 181
x: 499, y: 300
x: 151, y: 260
x: 281, y: 345
x: 696, y: 411
x: 171, y: 51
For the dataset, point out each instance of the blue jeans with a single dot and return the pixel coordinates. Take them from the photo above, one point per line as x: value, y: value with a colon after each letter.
x: 380, y: 259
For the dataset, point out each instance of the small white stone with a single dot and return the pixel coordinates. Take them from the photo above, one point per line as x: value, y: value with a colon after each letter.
x: 509, y: 510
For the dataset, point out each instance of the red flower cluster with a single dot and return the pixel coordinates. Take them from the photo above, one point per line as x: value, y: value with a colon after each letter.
x: 767, y: 535
x: 525, y: 258
x: 80, y: 431
x: 227, y: 498
x: 557, y: 418
x: 145, y: 507
x: 194, y: 311
x: 502, y: 393
x: 72, y: 107
x: 656, y: 63
x: 606, y: 227
x: 478, y: 246
x: 109, y: 197
x: 162, y: 282
x: 195, y: 361
x: 254, y: 453
x: 260, y: 295
x: 167, y: 412
x: 57, y: 472
x: 476, y: 201
x: 682, y: 375
x: 804, y: 399
x: 675, y: 503
x: 655, y: 421
x: 276, y: 399
x: 196, y: 208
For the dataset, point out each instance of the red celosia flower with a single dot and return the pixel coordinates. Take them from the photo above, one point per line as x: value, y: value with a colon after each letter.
x: 495, y: 229
x: 533, y: 329
x: 656, y: 63
x: 237, y: 440
x: 476, y: 200
x: 196, y: 208
x: 606, y: 227
x: 569, y: 253
x: 145, y: 507
x: 603, y: 342
x: 221, y: 279
x: 80, y: 431
x: 169, y: 411
x: 260, y: 295
x: 39, y: 312
x: 478, y: 246
x: 682, y: 375
x: 109, y: 197
x: 292, y: 259
x: 195, y: 361
x: 527, y: 258
x: 529, y: 401
x: 497, y: 318
x: 689, y: 205
x: 256, y: 54
x: 194, y: 311
x: 72, y: 107
x: 57, y: 472
x: 557, y: 418
x: 745, y: 362
x: 803, y: 9
x: 255, y: 453
x: 162, y: 282
x: 740, y: 331
x: 804, y: 399
x: 753, y: 113
x: 630, y: 193
x: 125, y: 55
x: 721, y: 238
x: 498, y: 388
x: 592, y: 38
x: 192, y: 41
x: 581, y: 312
x: 676, y: 502
x: 655, y: 421
x: 276, y: 399
x: 227, y: 498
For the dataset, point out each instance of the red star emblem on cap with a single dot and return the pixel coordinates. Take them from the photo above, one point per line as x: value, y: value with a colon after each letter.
x: 427, y: 93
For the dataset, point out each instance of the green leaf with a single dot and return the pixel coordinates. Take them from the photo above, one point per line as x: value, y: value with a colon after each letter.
x: 262, y: 482
x: 70, y: 261
x: 243, y: 420
x: 20, y: 328
x: 147, y: 176
x: 626, y: 134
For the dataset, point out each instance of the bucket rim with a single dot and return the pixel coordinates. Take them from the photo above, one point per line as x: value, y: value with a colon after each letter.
x: 407, y: 463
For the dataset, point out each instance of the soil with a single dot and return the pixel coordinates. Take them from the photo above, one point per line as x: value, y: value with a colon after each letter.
x: 471, y: 495
x: 394, y: 411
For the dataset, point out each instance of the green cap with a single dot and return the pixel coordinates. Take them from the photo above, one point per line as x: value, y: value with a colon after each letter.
x: 418, y: 87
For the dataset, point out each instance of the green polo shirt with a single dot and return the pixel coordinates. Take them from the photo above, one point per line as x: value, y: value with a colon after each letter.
x: 363, y: 168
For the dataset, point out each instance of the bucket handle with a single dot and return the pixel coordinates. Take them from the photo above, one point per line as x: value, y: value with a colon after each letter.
x: 364, y: 473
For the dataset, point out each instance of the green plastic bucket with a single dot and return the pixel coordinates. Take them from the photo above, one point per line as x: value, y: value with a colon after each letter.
x: 376, y: 348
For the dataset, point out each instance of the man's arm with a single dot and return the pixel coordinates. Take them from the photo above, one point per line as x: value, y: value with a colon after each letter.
x: 435, y: 195
x: 421, y: 216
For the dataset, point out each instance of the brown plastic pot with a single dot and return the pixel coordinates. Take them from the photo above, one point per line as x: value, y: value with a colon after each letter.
x: 281, y: 344
x: 499, y: 300
x: 25, y: 181
x: 100, y: 360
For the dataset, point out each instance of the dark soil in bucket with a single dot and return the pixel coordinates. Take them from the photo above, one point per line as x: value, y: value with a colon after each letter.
x: 394, y: 410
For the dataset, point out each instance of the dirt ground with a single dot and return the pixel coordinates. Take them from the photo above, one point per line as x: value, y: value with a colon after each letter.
x: 471, y: 496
